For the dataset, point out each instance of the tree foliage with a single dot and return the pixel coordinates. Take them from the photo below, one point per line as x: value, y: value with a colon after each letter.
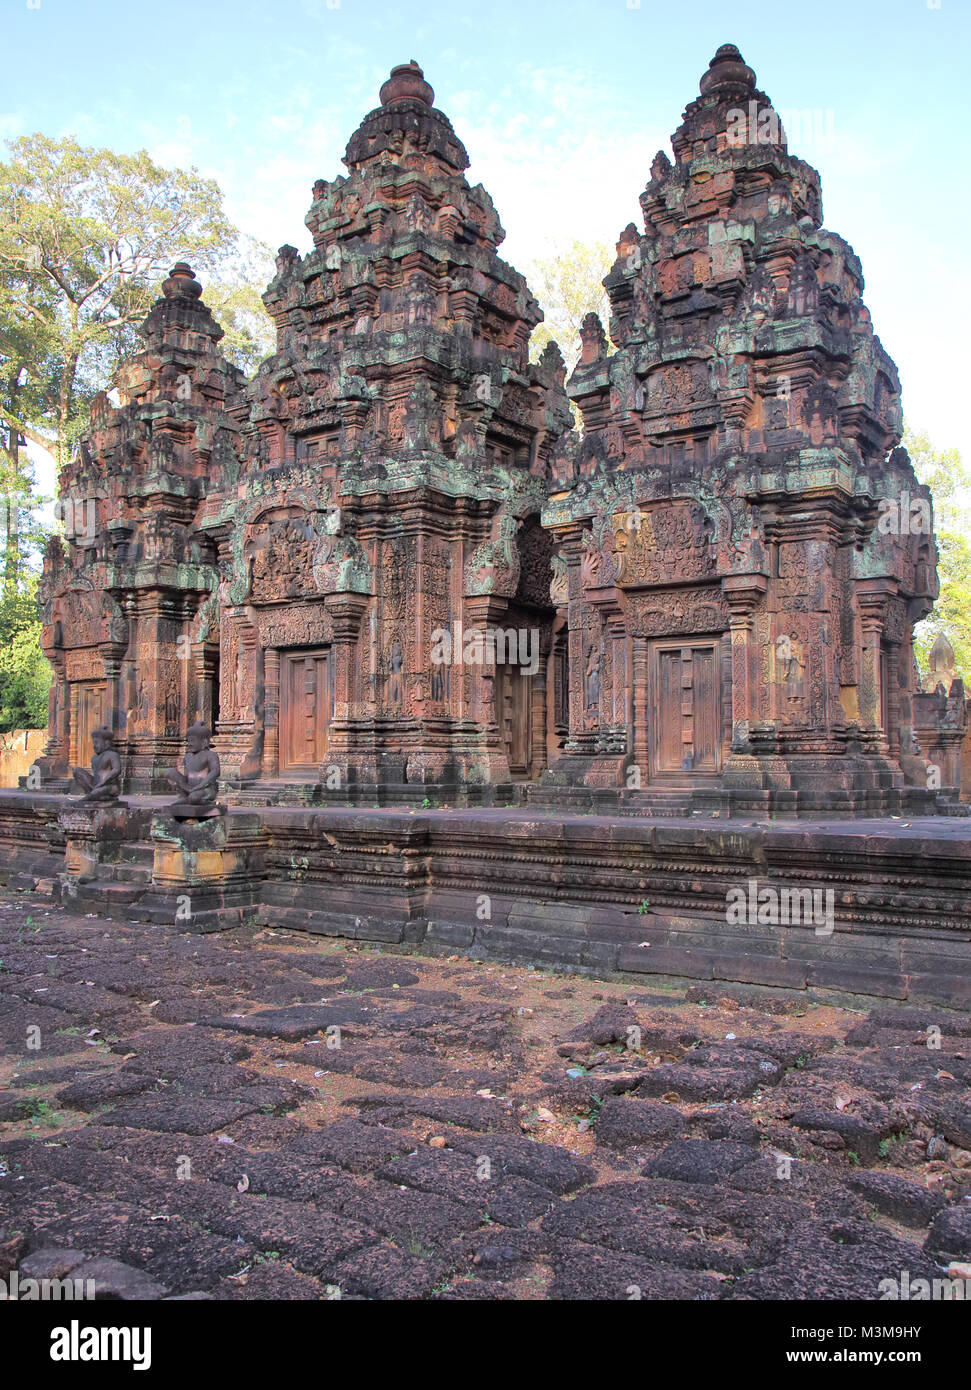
x: 86, y: 235
x: 568, y: 285
x: 25, y: 674
x: 236, y: 300
x: 943, y: 471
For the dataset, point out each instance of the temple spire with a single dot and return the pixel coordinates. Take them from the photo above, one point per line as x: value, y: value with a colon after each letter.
x: 405, y: 123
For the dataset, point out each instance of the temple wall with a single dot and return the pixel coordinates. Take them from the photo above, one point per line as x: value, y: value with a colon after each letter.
x: 18, y: 750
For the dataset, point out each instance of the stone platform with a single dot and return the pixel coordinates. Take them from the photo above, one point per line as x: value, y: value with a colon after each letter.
x: 885, y: 904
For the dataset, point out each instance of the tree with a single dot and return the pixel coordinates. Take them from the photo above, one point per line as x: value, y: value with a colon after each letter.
x: 568, y: 284
x: 236, y: 300
x: 944, y: 473
x: 85, y: 237
x: 25, y: 674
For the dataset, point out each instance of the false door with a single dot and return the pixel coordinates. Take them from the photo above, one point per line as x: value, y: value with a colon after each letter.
x: 87, y: 714
x: 514, y: 692
x: 686, y: 715
x: 305, y: 706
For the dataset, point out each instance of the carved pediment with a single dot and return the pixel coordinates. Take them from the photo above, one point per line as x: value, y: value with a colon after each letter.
x: 663, y: 545
x: 281, y: 556
x: 298, y: 555
x: 87, y: 616
x: 79, y: 612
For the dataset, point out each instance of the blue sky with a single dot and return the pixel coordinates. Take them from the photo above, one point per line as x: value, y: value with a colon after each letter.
x: 561, y: 107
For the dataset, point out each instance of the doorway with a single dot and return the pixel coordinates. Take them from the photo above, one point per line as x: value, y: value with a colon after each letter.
x: 514, y: 692
x: 305, y: 708
x: 87, y: 714
x: 685, y: 708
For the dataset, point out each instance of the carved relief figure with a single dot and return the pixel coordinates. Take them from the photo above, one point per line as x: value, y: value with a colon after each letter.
x: 592, y: 680
x: 395, y: 683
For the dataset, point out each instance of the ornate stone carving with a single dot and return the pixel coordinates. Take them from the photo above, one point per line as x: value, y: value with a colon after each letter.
x: 398, y: 467
x: 281, y: 557
x: 493, y: 567
x: 676, y: 612
x: 663, y: 544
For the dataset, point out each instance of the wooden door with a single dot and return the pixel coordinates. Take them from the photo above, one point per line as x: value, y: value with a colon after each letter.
x: 685, y: 719
x: 305, y: 707
x: 705, y: 709
x: 515, y: 692
x: 87, y: 714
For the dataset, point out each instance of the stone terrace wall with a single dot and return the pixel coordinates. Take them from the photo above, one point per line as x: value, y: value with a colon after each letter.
x: 587, y: 892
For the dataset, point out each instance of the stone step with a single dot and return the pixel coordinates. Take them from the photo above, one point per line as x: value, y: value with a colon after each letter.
x: 101, y: 891
x: 125, y: 873
x: 137, y: 852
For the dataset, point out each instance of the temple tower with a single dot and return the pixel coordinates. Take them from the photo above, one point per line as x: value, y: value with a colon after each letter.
x: 388, y: 566
x: 122, y: 589
x: 747, y: 550
x: 300, y: 560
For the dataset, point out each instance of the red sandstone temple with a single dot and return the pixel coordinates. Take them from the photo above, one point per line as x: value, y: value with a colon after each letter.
x: 390, y: 567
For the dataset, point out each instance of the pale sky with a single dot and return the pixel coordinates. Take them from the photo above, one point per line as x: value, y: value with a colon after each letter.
x: 561, y: 105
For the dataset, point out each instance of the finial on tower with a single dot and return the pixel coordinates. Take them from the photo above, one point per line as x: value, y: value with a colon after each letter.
x: 406, y: 83
x: 727, y: 69
x: 182, y: 282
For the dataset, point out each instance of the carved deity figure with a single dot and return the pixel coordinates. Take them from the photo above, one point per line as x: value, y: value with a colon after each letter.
x: 560, y: 583
x: 592, y: 679
x: 199, y: 780
x: 242, y: 704
x: 397, y: 662
x: 103, y: 783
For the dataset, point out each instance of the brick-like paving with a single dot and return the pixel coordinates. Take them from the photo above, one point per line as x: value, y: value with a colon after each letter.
x: 274, y: 1116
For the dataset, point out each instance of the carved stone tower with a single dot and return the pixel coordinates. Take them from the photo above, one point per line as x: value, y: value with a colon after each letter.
x: 740, y: 600
x: 305, y: 560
